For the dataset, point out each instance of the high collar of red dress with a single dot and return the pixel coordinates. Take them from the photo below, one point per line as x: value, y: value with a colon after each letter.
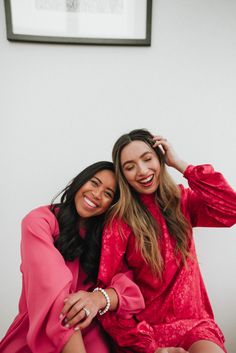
x: 147, y: 199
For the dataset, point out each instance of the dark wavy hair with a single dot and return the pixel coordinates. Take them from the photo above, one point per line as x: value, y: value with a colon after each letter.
x: 69, y: 242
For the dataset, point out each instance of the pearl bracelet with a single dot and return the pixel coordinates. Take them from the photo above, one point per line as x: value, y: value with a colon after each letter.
x: 108, y: 301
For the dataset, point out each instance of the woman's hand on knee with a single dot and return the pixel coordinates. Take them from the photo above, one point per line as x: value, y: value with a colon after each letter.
x: 80, y: 308
x: 171, y: 350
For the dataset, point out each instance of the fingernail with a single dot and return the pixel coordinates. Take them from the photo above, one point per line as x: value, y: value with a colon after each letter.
x: 65, y: 300
x: 76, y: 328
x: 65, y: 320
x: 67, y: 326
x: 61, y: 316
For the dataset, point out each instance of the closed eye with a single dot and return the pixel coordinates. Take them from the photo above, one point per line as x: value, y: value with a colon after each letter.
x: 94, y: 182
x: 147, y: 159
x: 129, y: 167
x: 108, y: 194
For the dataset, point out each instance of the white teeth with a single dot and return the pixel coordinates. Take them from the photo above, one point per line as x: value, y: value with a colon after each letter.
x: 144, y: 181
x: 90, y: 203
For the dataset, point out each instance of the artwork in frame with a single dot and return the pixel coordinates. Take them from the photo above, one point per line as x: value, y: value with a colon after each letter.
x: 101, y: 22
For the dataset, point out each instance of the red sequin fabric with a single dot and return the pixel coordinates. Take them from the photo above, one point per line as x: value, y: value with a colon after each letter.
x: 177, y: 309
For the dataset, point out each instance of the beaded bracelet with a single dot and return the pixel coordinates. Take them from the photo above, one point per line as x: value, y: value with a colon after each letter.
x: 108, y: 301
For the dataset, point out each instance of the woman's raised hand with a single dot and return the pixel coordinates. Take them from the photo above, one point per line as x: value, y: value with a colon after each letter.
x: 80, y: 308
x: 171, y: 158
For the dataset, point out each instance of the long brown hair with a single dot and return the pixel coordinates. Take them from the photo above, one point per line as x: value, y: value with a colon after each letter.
x: 134, y: 213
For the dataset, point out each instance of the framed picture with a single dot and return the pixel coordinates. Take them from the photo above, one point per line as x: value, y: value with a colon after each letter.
x: 106, y: 22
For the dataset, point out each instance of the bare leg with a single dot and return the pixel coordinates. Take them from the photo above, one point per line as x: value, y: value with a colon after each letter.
x: 205, y: 346
x: 75, y: 344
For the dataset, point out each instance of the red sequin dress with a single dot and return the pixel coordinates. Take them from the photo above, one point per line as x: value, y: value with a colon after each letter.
x: 178, y: 312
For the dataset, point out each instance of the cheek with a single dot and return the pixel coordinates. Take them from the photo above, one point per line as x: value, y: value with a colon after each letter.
x: 106, y: 205
x: 129, y: 176
x: 157, y: 166
x: 77, y: 200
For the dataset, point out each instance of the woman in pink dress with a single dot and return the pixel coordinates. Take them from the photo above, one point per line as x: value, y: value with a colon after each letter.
x: 60, y: 250
x: 151, y: 226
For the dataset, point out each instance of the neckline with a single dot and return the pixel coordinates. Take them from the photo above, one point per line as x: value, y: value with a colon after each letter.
x: 147, y: 197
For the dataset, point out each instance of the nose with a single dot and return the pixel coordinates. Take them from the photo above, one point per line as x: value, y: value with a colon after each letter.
x: 142, y: 169
x: 97, y: 193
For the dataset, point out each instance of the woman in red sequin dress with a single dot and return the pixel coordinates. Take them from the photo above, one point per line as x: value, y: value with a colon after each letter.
x: 151, y: 229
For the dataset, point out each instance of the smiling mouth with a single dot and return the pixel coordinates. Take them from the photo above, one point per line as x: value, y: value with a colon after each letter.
x: 90, y: 203
x: 147, y: 181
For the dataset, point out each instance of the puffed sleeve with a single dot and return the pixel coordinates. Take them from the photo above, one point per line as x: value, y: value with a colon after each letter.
x: 210, y: 201
x: 130, y: 298
x: 46, y: 280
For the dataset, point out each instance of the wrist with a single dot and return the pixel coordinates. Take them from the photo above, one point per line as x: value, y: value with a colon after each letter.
x: 180, y: 165
x: 99, y: 299
x: 107, y: 299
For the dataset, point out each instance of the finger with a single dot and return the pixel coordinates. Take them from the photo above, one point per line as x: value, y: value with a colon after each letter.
x: 85, y: 323
x: 70, y: 302
x: 157, y: 137
x: 160, y: 147
x: 160, y: 140
x: 74, y: 310
x: 77, y: 319
x: 157, y: 143
x: 164, y: 143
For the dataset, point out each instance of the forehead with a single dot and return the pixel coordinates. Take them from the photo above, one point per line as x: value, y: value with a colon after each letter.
x: 134, y: 150
x: 107, y: 177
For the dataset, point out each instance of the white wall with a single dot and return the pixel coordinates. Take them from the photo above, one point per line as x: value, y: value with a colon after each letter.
x: 62, y: 107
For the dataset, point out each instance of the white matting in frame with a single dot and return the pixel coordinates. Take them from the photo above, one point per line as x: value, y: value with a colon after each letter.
x: 80, y: 21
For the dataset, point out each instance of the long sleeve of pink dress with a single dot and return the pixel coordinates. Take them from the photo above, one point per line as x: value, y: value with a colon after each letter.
x: 46, y: 281
x: 177, y: 310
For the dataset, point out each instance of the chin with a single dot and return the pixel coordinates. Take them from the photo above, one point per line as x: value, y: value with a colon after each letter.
x: 148, y: 192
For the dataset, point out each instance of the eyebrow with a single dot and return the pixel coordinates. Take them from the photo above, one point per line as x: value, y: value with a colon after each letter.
x: 100, y: 182
x: 132, y: 161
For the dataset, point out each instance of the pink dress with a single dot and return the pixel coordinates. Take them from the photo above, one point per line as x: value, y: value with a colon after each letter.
x: 46, y: 281
x: 177, y: 309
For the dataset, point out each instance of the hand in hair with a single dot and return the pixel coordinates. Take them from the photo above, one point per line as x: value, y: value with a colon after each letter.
x: 171, y: 158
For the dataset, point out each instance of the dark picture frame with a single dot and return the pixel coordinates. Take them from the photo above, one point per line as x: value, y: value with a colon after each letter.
x: 107, y: 22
